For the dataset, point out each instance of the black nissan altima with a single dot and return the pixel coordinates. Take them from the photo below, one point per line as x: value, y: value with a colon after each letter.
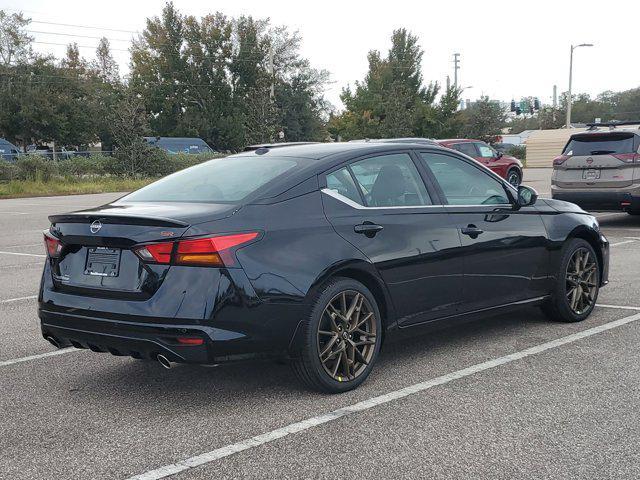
x: 313, y: 253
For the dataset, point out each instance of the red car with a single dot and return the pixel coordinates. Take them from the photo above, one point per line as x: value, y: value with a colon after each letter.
x: 506, y: 166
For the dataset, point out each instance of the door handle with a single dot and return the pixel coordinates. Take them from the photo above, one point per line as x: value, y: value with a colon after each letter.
x: 471, y: 230
x: 367, y: 228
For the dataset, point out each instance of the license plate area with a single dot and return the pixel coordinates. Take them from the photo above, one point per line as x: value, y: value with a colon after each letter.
x: 591, y: 174
x: 103, y: 262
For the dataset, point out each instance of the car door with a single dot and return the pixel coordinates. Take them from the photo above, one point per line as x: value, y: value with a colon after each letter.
x: 382, y: 206
x: 505, y: 249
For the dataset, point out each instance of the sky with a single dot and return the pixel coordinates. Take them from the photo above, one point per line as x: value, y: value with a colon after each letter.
x: 508, y: 49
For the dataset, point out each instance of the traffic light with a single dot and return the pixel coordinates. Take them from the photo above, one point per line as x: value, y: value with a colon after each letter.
x: 536, y: 104
x: 513, y: 105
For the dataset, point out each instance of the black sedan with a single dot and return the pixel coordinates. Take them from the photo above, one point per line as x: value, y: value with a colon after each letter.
x: 314, y: 253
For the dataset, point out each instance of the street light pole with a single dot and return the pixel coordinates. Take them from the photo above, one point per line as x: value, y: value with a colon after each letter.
x: 573, y: 47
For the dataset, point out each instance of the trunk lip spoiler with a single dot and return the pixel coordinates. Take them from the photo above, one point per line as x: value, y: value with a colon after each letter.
x: 116, y: 219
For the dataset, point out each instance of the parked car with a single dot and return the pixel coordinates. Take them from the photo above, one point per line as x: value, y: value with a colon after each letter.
x: 508, y: 167
x: 8, y: 151
x: 599, y: 170
x: 180, y: 144
x: 314, y: 253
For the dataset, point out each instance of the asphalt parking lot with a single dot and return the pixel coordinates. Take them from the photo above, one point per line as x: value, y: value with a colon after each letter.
x: 512, y: 396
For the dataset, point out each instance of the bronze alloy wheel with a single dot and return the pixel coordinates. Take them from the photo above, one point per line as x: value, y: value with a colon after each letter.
x: 347, y: 335
x: 581, y: 278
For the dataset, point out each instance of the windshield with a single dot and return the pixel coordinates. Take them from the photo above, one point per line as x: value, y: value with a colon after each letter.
x: 609, y: 144
x: 222, y: 180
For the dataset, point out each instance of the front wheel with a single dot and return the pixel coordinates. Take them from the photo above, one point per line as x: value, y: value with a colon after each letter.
x: 341, y: 338
x: 577, y: 283
x: 514, y: 177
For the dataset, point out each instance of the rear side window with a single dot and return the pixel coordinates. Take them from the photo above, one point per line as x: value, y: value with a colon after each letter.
x: 390, y: 181
x: 342, y: 182
x: 608, y: 144
x: 223, y: 180
x: 467, y: 148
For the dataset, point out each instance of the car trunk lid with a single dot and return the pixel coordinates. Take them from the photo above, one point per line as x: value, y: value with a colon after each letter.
x: 97, y: 257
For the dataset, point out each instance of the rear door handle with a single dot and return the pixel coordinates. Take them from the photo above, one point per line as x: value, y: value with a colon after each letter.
x: 471, y: 230
x: 367, y: 228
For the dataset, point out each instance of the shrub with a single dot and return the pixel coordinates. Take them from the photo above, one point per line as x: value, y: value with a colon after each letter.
x: 8, y: 171
x: 36, y: 167
x: 518, y: 151
x: 81, y: 166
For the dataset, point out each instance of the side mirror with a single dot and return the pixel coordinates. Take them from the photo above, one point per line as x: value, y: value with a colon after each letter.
x: 527, y: 196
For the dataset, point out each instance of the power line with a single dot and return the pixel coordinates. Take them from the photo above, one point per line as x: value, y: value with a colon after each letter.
x: 79, y: 36
x: 85, y: 26
x: 93, y: 47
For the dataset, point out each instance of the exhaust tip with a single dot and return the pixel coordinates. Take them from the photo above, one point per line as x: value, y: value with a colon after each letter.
x: 52, y: 341
x: 164, y: 361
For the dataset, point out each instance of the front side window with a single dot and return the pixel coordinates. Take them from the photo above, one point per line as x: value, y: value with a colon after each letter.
x: 390, y: 181
x: 462, y: 183
x: 467, y: 148
x: 485, y: 150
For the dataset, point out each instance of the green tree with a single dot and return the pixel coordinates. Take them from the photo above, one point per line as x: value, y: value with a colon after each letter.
x: 392, y: 100
x: 483, y: 120
x: 15, y: 43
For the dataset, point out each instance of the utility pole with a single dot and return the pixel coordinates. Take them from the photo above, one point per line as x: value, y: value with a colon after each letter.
x: 555, y: 97
x: 271, y: 73
x: 456, y: 67
x: 569, y: 99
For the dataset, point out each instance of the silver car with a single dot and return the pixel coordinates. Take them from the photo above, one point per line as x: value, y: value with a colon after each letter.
x: 600, y: 170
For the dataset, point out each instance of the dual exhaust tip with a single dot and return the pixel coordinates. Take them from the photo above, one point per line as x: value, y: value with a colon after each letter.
x: 162, y: 360
x: 53, y: 341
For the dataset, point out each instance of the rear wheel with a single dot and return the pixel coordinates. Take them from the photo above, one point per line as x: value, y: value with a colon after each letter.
x: 514, y: 177
x: 577, y: 283
x: 341, y: 338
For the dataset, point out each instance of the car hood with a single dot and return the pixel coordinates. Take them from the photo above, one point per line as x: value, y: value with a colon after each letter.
x: 562, y: 206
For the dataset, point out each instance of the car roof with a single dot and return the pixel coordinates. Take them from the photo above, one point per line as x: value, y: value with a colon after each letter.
x: 319, y: 151
x: 420, y: 140
x: 457, y: 140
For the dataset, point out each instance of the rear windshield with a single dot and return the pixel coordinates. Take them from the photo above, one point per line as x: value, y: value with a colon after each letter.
x: 609, y: 144
x: 222, y: 180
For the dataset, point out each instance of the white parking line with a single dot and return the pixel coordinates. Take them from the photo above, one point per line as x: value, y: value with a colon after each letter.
x: 219, y: 453
x: 23, y: 254
x: 62, y: 351
x: 17, y: 299
x: 621, y: 243
x: 24, y: 246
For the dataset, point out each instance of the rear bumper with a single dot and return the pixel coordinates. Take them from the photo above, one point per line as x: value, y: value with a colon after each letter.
x: 599, y: 200
x: 219, y: 306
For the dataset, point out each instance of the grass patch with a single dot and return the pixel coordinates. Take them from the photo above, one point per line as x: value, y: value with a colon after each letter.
x: 69, y: 186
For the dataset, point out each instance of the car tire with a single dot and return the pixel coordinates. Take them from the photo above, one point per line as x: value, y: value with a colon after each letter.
x: 514, y: 177
x: 328, y: 361
x: 569, y: 285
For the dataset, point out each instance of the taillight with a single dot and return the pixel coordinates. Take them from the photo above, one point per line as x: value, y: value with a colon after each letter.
x: 52, y: 244
x: 559, y: 160
x: 215, y: 251
x: 628, y: 157
x: 155, y: 252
